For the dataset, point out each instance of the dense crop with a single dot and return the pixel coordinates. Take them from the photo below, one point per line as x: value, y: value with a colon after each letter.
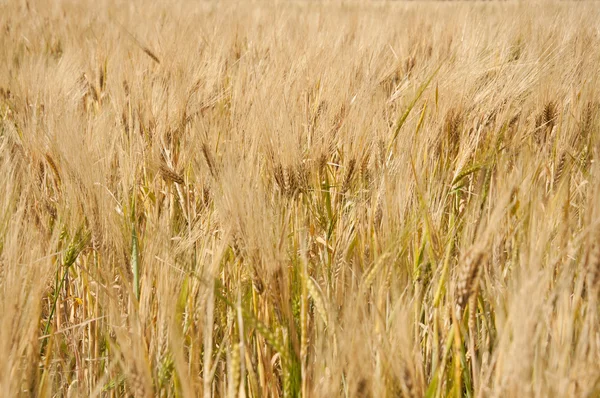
x: 299, y: 198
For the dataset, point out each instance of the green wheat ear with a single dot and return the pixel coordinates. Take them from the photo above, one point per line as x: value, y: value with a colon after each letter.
x: 402, y: 119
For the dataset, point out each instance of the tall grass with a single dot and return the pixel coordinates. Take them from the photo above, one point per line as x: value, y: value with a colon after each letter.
x: 299, y: 199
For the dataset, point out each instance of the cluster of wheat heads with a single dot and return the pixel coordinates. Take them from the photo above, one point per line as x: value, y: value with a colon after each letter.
x: 299, y: 199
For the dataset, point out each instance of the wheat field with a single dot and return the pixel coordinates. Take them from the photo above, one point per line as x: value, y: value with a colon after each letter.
x: 299, y: 198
